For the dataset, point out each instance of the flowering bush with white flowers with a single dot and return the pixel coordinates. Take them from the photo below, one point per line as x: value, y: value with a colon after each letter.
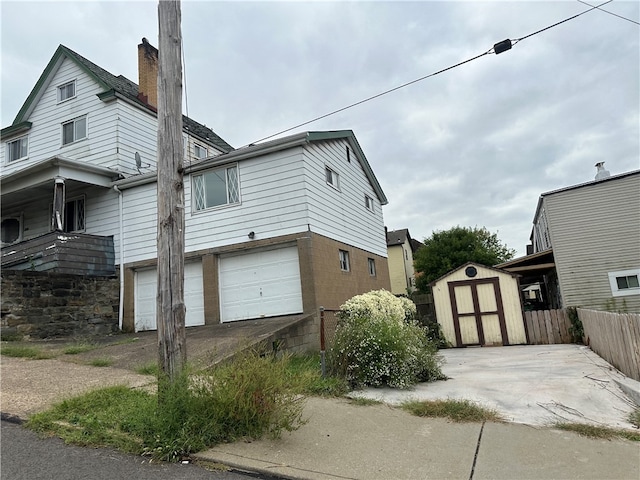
x: 378, y: 342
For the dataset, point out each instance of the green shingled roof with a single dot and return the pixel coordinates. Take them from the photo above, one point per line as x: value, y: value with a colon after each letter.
x: 112, y: 85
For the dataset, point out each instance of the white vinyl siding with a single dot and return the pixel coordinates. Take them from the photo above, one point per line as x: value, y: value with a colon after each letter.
x: 594, y: 230
x: 339, y: 214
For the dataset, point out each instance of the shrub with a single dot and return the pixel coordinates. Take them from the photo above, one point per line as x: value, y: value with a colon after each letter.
x: 375, y: 346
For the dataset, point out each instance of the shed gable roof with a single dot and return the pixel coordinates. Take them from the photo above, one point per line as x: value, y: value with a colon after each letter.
x: 477, y: 265
x: 114, y: 86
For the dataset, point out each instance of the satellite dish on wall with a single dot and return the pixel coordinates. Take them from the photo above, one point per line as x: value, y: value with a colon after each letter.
x: 138, y: 161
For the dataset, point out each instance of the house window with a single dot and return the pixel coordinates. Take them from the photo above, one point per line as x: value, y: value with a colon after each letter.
x: 625, y: 282
x: 66, y: 91
x: 331, y: 177
x: 17, y: 149
x: 11, y: 230
x: 74, y: 130
x: 372, y: 267
x: 199, y: 151
x: 216, y: 188
x: 344, y: 260
x: 368, y: 202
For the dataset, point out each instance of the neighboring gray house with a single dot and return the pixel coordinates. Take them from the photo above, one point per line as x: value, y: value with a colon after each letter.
x: 278, y: 228
x: 586, y: 245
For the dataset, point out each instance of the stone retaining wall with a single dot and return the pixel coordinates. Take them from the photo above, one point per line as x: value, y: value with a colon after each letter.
x: 46, y: 304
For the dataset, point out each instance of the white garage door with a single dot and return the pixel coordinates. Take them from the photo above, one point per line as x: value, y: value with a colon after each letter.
x: 146, y: 291
x: 260, y: 284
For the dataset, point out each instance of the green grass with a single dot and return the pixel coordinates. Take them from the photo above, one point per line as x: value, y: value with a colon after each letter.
x: 78, y: 348
x: 456, y: 410
x: 251, y: 396
x: 148, y: 369
x: 22, y: 351
x: 306, y: 373
x: 101, y: 362
x: 592, y: 431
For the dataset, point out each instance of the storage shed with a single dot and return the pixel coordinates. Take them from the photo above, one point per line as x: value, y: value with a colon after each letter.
x: 479, y: 305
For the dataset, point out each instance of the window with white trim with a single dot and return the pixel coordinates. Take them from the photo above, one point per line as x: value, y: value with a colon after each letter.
x: 625, y: 282
x: 17, y: 149
x: 332, y: 178
x: 372, y: 266
x: 74, y: 130
x: 368, y: 202
x: 344, y: 260
x: 199, y: 151
x: 66, y: 91
x: 216, y: 188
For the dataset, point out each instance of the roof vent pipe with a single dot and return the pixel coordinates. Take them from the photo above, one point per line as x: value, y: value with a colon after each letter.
x: 601, y: 173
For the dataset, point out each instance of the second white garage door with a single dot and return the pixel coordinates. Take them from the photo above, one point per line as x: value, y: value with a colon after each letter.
x: 146, y: 292
x: 260, y: 284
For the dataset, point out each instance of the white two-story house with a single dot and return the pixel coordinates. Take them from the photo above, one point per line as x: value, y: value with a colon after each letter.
x: 278, y: 228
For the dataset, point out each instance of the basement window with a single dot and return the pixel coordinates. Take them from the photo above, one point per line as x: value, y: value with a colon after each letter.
x: 625, y: 282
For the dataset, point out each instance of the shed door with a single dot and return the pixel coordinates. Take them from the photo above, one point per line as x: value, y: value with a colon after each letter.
x: 260, y: 284
x: 478, y: 313
x: 146, y: 287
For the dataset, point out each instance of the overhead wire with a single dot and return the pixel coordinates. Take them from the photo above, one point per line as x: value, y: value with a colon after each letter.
x: 378, y: 95
x: 611, y: 13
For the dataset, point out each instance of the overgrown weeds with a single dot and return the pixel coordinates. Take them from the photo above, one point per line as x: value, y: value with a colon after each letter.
x: 305, y: 373
x: 593, y: 431
x: 101, y: 362
x: 23, y: 351
x: 456, y: 410
x: 248, y: 397
x: 634, y: 417
x: 78, y: 348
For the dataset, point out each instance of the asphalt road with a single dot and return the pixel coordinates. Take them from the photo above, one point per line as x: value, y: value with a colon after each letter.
x: 25, y: 456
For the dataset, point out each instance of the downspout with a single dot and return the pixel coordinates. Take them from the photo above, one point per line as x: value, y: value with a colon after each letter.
x: 121, y: 300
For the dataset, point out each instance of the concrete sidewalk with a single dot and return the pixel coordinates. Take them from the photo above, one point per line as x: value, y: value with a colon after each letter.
x: 345, y: 441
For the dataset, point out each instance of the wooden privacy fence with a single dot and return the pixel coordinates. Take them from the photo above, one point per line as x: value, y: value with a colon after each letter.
x: 548, y: 327
x: 615, y: 337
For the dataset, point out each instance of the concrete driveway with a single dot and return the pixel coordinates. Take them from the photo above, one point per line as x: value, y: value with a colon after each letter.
x: 530, y: 384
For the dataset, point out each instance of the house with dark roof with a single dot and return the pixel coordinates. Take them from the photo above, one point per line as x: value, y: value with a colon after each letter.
x: 585, y: 245
x: 400, y: 250
x: 275, y: 229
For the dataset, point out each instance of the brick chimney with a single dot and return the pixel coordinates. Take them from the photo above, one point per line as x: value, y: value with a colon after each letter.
x: 148, y: 74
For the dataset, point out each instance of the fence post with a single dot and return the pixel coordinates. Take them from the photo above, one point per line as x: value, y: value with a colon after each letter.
x: 322, y: 361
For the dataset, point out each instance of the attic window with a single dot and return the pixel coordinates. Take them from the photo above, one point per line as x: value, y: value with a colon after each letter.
x: 66, y: 91
x: 199, y: 151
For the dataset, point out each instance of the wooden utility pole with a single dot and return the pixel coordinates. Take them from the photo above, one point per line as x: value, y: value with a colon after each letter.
x: 172, y: 352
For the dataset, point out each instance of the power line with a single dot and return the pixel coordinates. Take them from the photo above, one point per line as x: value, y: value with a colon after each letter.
x: 611, y: 13
x: 497, y: 49
x: 560, y: 22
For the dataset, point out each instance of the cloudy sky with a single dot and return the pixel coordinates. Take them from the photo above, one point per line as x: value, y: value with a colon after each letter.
x: 474, y: 146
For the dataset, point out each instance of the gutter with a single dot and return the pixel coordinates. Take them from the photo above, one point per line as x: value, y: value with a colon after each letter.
x: 121, y: 296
